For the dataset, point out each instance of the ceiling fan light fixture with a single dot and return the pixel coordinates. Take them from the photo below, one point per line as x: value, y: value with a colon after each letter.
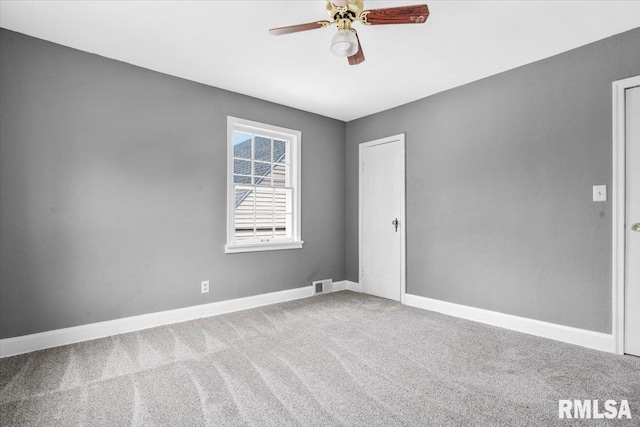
x: 344, y: 13
x: 344, y: 43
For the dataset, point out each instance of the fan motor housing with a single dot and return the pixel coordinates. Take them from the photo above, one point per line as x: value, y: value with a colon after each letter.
x: 351, y: 10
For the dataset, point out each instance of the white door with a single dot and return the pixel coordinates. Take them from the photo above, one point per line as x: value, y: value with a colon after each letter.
x: 382, y: 184
x: 632, y: 235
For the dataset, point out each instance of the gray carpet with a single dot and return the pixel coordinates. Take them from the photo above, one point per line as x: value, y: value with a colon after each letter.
x: 338, y: 359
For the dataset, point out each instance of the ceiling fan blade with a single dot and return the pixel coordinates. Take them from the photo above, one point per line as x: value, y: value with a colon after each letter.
x: 357, y: 57
x: 396, y: 15
x: 300, y: 27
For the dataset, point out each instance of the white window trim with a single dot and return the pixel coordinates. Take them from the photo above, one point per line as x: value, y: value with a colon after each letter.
x: 295, y: 136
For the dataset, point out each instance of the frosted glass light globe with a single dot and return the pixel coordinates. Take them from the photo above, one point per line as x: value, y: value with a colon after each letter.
x: 344, y: 43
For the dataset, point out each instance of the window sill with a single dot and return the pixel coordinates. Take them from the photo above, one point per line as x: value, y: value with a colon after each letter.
x: 259, y: 247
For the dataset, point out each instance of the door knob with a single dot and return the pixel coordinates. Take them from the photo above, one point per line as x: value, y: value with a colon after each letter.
x: 636, y: 226
x: 395, y: 224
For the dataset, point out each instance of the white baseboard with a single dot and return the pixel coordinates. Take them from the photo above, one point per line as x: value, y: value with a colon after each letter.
x: 353, y: 286
x: 58, y: 337
x: 582, y: 337
x: 344, y: 285
x: 39, y: 341
x: 339, y: 286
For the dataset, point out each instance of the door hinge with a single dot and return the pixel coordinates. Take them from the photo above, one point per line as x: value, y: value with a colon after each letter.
x: 362, y: 271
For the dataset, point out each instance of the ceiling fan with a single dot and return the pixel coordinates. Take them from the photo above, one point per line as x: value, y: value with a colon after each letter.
x: 345, y: 12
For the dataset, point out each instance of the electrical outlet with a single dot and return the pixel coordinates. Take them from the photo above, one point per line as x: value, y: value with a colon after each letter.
x: 204, y: 287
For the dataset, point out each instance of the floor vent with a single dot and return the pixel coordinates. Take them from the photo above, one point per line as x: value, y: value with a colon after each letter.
x: 323, y: 286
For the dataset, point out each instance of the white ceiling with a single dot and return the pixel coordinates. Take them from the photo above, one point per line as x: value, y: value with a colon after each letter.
x: 226, y: 44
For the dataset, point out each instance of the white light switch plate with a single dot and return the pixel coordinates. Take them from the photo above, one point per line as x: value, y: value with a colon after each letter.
x: 599, y: 193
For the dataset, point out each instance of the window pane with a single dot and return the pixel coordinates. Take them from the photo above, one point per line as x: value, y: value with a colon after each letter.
x: 282, y: 201
x: 241, y: 145
x: 280, y: 151
x: 242, y: 167
x: 263, y: 148
x: 264, y: 200
x: 263, y: 181
x: 264, y: 226
x: 244, y: 227
x: 281, y: 174
x: 262, y: 170
x: 241, y: 179
x: 283, y: 228
x: 244, y: 201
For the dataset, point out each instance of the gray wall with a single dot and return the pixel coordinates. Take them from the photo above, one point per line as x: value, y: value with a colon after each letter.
x: 499, y: 177
x: 113, y: 183
x: 113, y: 191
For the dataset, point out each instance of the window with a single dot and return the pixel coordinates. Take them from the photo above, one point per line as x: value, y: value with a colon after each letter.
x: 263, y: 196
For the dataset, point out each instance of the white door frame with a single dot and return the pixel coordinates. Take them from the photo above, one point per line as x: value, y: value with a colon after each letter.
x: 619, y: 209
x: 403, y: 229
